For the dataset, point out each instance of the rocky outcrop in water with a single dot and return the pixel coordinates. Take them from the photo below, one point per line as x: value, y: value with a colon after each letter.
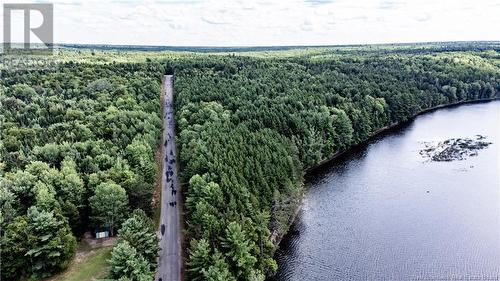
x: 454, y: 149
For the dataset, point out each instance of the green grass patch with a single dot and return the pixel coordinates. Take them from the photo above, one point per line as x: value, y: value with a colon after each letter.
x: 92, y: 267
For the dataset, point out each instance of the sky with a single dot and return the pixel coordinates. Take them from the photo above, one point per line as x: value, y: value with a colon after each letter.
x: 268, y: 22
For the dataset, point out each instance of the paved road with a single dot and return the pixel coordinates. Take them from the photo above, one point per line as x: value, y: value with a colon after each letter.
x: 169, y: 264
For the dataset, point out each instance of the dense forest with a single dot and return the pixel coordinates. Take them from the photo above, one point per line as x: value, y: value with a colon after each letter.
x: 249, y: 128
x: 77, y: 144
x: 77, y: 153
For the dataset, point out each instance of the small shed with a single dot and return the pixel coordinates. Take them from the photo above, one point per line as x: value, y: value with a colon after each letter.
x: 102, y: 234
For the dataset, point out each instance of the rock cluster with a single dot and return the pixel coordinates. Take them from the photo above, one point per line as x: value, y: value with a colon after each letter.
x: 454, y: 149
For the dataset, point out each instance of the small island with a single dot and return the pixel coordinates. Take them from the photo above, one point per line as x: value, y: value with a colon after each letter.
x: 454, y: 149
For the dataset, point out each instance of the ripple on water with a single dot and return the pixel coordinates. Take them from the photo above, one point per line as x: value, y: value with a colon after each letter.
x: 382, y: 214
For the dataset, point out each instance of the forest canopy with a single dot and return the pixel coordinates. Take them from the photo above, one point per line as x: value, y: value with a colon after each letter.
x: 249, y: 127
x: 76, y: 154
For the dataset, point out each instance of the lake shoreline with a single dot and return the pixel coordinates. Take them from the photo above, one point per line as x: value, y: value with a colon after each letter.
x: 389, y: 128
x: 352, y: 148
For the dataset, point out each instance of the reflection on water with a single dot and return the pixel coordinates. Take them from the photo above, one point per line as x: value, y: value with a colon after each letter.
x: 381, y: 213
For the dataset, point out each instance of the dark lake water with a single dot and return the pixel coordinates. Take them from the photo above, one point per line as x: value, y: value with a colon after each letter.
x: 385, y: 213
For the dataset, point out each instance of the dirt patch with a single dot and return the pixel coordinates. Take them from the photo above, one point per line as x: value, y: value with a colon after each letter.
x: 155, y: 201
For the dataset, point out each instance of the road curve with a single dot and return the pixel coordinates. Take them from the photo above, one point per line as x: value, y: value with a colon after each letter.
x: 170, y: 256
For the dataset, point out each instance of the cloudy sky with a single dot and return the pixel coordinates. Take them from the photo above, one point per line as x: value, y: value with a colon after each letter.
x: 271, y: 22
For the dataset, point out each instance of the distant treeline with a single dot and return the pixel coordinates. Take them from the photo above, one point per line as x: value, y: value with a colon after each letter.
x: 173, y: 48
x: 392, y: 48
x: 248, y: 127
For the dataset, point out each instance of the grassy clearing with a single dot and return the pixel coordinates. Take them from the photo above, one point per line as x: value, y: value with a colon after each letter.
x: 89, y: 264
x: 92, y: 267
